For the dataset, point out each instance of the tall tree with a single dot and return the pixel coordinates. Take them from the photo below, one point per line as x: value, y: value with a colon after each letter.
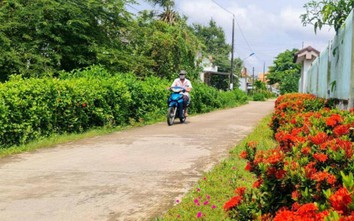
x: 326, y: 12
x: 166, y: 48
x: 214, y: 41
x: 40, y: 36
x: 285, y: 72
x: 168, y: 15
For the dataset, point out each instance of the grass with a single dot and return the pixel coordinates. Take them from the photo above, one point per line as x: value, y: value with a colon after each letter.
x: 216, y: 187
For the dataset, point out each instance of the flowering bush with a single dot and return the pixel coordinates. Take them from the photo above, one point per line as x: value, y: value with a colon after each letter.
x: 308, y: 175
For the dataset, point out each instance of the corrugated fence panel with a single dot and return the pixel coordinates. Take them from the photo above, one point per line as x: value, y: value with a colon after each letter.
x: 330, y: 74
x: 344, y: 47
x: 314, y: 77
x: 323, y: 74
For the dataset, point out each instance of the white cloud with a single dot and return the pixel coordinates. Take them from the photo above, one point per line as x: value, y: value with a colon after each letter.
x: 270, y: 27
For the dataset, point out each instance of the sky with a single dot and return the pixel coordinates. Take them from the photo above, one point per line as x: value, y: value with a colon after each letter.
x: 263, y: 27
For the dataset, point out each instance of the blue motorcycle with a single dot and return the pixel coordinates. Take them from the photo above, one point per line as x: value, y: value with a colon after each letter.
x: 175, y: 106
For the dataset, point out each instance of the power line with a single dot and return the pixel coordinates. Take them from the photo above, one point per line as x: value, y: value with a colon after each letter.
x: 132, y: 7
x: 223, y: 7
x: 243, y: 36
x: 238, y: 25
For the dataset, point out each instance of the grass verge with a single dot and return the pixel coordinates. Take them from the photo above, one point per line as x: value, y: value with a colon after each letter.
x: 205, y: 201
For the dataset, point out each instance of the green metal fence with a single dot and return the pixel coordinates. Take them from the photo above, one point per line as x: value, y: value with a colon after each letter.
x: 331, y: 75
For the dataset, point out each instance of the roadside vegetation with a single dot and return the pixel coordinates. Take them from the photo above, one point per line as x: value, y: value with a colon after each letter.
x: 299, y: 166
x: 35, y: 108
x: 207, y: 198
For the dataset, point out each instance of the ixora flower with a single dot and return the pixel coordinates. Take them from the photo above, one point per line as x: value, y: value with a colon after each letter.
x: 243, y: 155
x: 322, y: 176
x: 304, y: 212
x: 340, y: 200
x: 334, y: 120
x: 240, y: 191
x: 234, y: 201
x: 275, y: 156
x: 248, y: 166
x: 258, y: 183
x: 341, y: 130
x: 321, y: 157
x: 305, y: 150
x: 319, y: 138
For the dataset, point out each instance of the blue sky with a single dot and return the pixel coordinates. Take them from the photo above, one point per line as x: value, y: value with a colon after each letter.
x: 263, y: 27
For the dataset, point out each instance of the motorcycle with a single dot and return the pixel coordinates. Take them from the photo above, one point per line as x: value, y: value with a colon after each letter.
x: 175, y: 106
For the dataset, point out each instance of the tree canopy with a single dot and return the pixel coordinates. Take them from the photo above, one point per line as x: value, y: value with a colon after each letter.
x: 285, y: 72
x: 213, y: 39
x: 47, y: 35
x: 44, y: 37
x: 326, y: 12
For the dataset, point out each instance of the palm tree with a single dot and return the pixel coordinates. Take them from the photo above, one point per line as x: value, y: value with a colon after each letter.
x: 168, y: 15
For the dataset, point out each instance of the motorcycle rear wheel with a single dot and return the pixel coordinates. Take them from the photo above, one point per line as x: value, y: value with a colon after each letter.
x: 171, y: 115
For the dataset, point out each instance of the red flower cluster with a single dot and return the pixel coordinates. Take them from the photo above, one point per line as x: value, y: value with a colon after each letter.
x: 321, y: 157
x: 341, y: 130
x: 341, y: 200
x: 319, y: 138
x: 234, y: 201
x: 334, y: 120
x: 304, y: 172
x: 306, y: 212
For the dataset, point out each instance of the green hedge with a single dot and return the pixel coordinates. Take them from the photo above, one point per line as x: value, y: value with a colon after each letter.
x: 80, y: 100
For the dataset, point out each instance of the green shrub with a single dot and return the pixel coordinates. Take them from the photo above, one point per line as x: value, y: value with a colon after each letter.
x: 259, y: 97
x: 80, y: 100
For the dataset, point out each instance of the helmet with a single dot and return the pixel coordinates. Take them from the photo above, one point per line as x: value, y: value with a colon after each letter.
x: 182, y: 72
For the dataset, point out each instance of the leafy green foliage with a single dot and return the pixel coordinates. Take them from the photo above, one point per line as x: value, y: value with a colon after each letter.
x: 93, y: 97
x: 43, y: 36
x: 285, y: 72
x: 213, y: 39
x: 208, y: 98
x: 215, y: 47
x: 326, y: 12
x: 168, y: 49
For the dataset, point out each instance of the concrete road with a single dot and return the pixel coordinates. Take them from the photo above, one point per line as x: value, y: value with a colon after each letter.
x: 131, y: 175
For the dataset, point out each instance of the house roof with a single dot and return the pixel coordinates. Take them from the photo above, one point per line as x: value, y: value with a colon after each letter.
x: 308, y: 49
x: 307, y: 53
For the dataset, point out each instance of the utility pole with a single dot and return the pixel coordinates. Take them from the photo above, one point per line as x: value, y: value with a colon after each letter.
x: 252, y: 78
x: 264, y: 68
x: 232, y: 54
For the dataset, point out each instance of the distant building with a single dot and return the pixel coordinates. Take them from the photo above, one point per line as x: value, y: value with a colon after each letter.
x: 263, y: 77
x: 305, y: 57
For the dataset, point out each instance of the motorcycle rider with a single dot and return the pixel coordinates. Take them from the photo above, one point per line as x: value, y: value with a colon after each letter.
x: 184, y: 83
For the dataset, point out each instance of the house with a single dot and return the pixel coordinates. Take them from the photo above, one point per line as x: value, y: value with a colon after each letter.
x: 305, y: 57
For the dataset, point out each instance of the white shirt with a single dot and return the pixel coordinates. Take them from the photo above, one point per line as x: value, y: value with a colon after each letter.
x: 186, y: 84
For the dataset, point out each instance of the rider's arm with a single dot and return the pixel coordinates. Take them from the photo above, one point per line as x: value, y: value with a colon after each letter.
x: 189, y: 87
x: 174, y: 84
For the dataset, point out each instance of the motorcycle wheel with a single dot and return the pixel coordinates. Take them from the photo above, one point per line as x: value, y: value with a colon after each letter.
x: 171, y: 114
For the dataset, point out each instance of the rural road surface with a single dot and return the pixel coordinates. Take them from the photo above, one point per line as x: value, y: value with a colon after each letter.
x: 132, y: 175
